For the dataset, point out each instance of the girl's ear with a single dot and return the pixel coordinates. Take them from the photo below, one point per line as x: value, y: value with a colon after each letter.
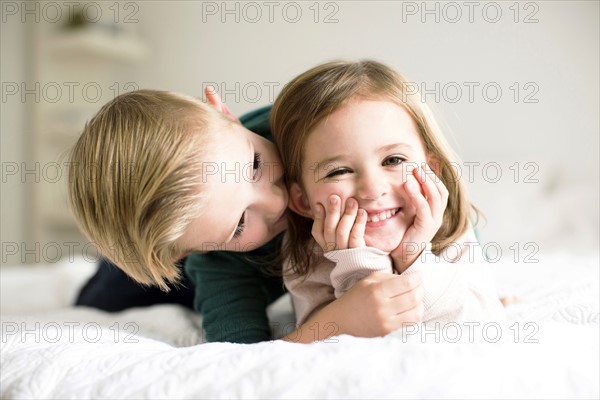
x: 298, y: 202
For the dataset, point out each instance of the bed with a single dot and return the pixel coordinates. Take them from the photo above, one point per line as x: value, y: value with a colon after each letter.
x: 548, y: 349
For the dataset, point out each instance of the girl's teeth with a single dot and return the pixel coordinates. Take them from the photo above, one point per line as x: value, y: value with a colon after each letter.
x: 382, y: 216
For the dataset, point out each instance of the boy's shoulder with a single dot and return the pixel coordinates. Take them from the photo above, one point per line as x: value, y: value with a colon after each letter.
x: 258, y: 121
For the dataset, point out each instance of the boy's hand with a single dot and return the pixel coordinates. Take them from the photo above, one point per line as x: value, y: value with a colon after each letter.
x: 337, y: 229
x: 430, y: 197
x: 214, y: 100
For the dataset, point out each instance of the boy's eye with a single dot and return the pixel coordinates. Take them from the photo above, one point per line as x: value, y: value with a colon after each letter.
x: 256, y: 164
x: 393, y: 160
x: 240, y: 227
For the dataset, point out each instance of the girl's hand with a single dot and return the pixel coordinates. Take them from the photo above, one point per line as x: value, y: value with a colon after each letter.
x: 214, y: 100
x: 382, y: 303
x: 337, y: 229
x: 374, y: 306
x: 430, y: 197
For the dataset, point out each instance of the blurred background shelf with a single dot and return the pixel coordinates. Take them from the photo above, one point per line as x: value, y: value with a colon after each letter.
x: 100, y: 44
x: 74, y: 68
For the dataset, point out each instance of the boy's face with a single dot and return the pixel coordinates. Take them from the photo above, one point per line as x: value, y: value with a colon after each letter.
x: 366, y: 150
x: 246, y: 195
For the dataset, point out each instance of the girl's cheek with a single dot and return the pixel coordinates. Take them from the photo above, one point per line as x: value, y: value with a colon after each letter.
x: 321, y: 196
x: 344, y: 190
x: 399, y: 186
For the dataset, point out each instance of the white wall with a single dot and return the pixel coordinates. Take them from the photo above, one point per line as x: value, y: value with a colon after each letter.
x: 557, y: 57
x: 14, y: 132
x: 193, y: 43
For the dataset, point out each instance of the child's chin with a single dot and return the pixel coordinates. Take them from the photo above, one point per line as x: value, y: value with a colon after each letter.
x: 384, y: 244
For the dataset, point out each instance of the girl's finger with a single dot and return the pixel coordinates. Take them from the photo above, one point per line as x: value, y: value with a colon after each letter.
x: 402, y: 304
x: 346, y: 223
x: 419, y: 231
x: 439, y: 200
x: 357, y: 234
x: 410, y: 300
x: 430, y: 190
x: 443, y: 191
x: 418, y: 198
x: 332, y: 219
x: 411, y: 316
x: 392, y: 285
x: 317, y: 227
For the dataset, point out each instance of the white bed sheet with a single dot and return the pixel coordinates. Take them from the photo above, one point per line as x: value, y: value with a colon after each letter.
x: 548, y: 349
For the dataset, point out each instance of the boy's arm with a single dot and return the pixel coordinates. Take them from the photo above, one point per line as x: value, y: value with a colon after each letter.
x: 232, y: 295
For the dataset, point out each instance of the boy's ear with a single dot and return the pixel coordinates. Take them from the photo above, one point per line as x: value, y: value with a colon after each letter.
x: 298, y: 202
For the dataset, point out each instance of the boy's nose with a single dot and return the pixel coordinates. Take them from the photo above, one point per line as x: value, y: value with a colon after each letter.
x: 273, y: 195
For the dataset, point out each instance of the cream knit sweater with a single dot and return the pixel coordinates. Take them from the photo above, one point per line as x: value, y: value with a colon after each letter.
x: 458, y: 283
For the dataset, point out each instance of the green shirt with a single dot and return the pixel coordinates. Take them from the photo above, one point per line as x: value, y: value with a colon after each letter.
x: 232, y: 290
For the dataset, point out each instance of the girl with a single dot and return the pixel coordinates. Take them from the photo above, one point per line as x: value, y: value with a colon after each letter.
x: 362, y: 157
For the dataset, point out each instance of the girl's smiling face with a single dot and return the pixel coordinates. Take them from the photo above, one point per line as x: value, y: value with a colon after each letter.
x: 365, y: 150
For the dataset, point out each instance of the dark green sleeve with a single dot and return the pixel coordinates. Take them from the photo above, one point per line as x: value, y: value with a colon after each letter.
x: 232, y: 296
x: 258, y: 122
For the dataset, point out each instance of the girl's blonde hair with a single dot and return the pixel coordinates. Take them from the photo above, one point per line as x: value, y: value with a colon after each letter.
x: 135, y: 179
x: 319, y: 92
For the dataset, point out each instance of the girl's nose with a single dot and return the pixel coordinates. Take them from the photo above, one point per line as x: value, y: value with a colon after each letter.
x: 371, y: 187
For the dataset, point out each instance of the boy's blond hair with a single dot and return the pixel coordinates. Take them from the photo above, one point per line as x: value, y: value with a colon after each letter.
x: 317, y: 93
x: 135, y: 179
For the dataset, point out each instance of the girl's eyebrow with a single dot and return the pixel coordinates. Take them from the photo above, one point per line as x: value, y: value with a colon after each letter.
x: 381, y: 149
x: 330, y: 160
x: 392, y: 146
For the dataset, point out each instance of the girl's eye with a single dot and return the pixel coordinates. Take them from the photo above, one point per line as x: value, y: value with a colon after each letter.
x: 256, y: 164
x: 393, y: 160
x: 338, y: 172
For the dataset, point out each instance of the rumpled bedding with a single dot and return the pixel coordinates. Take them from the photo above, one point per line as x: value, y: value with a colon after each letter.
x: 549, y: 347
